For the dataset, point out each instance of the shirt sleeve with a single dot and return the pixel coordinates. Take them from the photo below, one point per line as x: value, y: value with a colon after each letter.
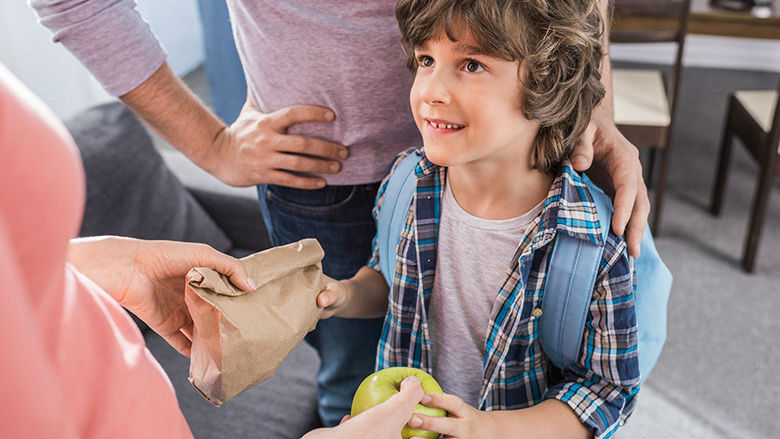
x: 601, y: 386
x: 35, y: 403
x: 373, y: 261
x: 108, y: 36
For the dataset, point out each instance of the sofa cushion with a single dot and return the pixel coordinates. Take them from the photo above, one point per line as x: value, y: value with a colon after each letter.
x: 130, y: 190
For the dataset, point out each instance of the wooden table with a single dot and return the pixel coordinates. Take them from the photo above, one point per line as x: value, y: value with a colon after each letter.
x: 707, y: 20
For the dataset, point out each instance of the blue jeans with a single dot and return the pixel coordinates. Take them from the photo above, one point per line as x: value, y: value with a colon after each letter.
x: 340, y: 218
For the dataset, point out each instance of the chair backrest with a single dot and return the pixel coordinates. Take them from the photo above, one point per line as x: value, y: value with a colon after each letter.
x: 654, y: 21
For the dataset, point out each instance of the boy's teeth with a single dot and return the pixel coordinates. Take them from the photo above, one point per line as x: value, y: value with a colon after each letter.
x: 444, y: 125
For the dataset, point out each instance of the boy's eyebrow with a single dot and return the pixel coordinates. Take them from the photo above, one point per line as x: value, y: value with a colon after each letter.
x: 470, y: 49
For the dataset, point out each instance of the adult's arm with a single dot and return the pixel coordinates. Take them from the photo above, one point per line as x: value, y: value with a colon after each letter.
x: 111, y: 39
x: 147, y: 277
x: 616, y: 166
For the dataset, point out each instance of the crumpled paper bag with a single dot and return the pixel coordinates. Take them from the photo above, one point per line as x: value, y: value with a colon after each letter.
x: 240, y: 339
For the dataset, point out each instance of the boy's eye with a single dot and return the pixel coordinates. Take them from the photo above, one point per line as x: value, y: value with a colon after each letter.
x: 473, y: 67
x: 424, y: 61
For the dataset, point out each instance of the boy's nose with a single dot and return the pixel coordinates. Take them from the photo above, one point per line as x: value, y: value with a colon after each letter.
x: 435, y: 91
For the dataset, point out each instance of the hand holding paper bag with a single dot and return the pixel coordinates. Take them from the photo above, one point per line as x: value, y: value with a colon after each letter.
x: 240, y: 339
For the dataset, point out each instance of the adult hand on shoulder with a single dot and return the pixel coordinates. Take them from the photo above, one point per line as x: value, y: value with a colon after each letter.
x: 383, y: 421
x: 147, y: 278
x: 613, y: 163
x: 256, y: 149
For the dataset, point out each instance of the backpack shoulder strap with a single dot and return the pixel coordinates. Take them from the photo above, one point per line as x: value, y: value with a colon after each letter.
x: 396, y: 202
x: 571, y: 275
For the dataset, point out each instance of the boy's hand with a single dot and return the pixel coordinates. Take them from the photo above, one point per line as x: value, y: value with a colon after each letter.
x: 464, y: 421
x: 334, y: 297
x: 616, y: 169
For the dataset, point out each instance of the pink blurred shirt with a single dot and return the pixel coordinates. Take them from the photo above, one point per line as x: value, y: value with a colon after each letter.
x: 72, y: 362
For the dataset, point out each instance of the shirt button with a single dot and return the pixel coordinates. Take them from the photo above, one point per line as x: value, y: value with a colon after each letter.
x: 537, y: 312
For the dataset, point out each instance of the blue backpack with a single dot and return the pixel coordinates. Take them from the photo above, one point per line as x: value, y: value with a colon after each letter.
x: 571, y: 275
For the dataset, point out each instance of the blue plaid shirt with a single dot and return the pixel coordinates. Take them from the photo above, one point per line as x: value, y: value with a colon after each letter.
x: 600, y: 387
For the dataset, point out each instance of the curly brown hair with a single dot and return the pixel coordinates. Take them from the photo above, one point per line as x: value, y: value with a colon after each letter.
x: 558, y: 43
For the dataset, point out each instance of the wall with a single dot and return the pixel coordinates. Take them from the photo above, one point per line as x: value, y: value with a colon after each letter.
x: 708, y: 51
x: 60, y: 80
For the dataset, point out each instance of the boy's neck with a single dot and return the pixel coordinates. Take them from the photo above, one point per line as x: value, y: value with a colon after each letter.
x: 498, y: 189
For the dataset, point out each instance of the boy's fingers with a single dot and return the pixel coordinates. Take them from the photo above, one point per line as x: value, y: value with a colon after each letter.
x: 437, y: 424
x: 323, y: 300
x: 454, y: 405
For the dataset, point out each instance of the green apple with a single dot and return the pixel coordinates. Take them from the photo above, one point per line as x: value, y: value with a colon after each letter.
x: 381, y: 385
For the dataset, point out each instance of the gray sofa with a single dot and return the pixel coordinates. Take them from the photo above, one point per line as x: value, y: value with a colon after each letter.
x: 133, y: 190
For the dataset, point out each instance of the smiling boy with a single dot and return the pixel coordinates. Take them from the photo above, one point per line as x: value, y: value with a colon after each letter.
x: 502, y: 90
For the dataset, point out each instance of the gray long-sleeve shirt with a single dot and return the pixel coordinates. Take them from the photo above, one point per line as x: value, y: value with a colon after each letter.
x: 340, y: 54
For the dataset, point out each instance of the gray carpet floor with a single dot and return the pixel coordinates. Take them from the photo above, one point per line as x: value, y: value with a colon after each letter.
x: 718, y: 376
x: 721, y: 362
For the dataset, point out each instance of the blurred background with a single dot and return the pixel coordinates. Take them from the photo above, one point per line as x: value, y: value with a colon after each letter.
x: 719, y: 374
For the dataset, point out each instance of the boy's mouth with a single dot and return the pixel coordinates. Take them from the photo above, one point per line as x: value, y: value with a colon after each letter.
x: 439, y: 126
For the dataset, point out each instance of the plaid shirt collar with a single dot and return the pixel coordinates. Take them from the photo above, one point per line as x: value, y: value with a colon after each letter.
x: 568, y: 208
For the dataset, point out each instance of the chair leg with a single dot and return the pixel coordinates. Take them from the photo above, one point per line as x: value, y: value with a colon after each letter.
x: 760, y: 205
x: 659, y: 190
x: 716, y: 205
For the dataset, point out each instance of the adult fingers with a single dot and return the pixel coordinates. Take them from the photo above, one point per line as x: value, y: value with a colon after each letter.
x: 225, y: 264
x: 411, y: 392
x: 284, y: 178
x: 638, y: 222
x: 311, y: 146
x: 187, y: 330
x: 300, y: 163
x: 284, y: 117
x: 179, y: 342
x: 625, y: 194
x: 582, y: 155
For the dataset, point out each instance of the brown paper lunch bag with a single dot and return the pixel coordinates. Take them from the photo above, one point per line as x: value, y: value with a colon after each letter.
x: 241, y: 338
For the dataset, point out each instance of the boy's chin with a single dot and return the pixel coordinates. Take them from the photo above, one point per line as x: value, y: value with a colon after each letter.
x: 440, y: 156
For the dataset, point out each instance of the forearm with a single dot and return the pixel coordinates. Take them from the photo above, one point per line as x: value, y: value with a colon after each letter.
x: 92, y: 257
x: 165, y: 103
x: 367, y: 292
x: 112, y: 40
x: 551, y: 419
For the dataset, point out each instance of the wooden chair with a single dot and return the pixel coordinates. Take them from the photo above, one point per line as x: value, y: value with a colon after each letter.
x: 644, y: 107
x: 754, y: 117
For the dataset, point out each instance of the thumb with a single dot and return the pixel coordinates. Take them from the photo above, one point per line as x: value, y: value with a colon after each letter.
x: 411, y: 392
x: 582, y: 155
x: 227, y: 265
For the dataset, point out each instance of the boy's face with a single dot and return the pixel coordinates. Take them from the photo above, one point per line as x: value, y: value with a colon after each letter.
x: 466, y: 105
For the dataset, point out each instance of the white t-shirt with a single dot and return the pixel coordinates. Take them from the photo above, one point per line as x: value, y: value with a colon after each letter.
x: 474, y: 257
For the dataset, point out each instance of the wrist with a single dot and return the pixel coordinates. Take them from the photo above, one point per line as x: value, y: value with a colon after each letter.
x: 208, y: 155
x: 102, y: 259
